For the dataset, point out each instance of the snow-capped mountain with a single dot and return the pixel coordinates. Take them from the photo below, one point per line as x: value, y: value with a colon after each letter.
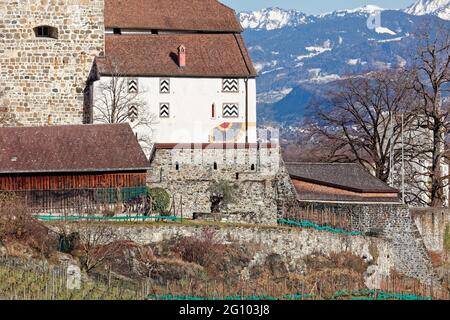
x: 365, y: 10
x: 440, y: 8
x: 273, y: 18
x: 277, y: 18
x: 295, y: 53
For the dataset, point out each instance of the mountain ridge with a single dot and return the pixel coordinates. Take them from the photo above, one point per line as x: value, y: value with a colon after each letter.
x: 273, y: 18
x: 300, y: 55
x: 440, y: 8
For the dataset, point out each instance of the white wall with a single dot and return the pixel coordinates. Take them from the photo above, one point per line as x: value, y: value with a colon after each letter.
x: 191, y: 101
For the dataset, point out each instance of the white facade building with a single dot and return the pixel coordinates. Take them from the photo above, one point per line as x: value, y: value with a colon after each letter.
x: 189, y: 75
x: 194, y: 110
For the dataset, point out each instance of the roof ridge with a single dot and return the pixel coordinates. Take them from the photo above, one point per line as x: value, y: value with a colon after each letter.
x: 242, y: 54
x: 234, y: 12
x: 67, y: 125
x: 323, y: 163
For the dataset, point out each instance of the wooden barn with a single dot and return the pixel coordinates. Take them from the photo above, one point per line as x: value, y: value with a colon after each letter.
x: 76, y: 168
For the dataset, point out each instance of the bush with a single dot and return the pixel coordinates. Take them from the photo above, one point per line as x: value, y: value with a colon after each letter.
x: 374, y: 232
x: 68, y: 242
x: 18, y: 225
x: 159, y: 200
x: 222, y: 194
x: 204, y: 249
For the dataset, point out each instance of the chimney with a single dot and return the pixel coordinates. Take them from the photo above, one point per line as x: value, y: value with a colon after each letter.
x: 182, y: 56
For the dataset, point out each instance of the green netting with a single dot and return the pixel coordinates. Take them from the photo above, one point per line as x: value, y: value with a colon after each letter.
x: 114, y: 195
x: 192, y: 298
x: 352, y: 295
x: 378, y: 295
x: 309, y: 224
x: 98, y: 218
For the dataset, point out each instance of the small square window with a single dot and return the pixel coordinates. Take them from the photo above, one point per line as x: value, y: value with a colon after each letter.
x: 230, y: 85
x: 46, y: 32
x: 230, y: 110
x: 43, y: 32
x: 164, y: 110
x: 133, y: 113
x: 164, y: 86
x: 133, y: 86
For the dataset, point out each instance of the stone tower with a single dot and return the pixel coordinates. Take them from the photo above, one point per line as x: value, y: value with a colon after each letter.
x: 47, y: 49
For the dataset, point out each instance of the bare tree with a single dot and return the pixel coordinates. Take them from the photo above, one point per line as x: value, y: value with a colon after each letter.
x: 363, y: 122
x: 116, y: 103
x: 431, y: 83
x: 99, y: 244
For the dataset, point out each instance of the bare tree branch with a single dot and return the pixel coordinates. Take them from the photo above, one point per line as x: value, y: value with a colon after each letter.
x: 114, y: 102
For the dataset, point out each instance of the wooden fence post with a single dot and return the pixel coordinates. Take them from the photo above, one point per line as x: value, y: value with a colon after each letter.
x: 181, y: 207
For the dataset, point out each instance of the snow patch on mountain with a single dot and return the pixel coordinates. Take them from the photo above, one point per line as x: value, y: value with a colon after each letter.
x: 365, y: 10
x: 440, y: 8
x: 390, y: 40
x: 315, y: 51
x: 353, y: 62
x: 382, y: 30
x: 317, y: 76
x: 272, y: 18
x: 273, y: 96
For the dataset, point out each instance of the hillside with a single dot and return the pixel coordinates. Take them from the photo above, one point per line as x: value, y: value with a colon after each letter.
x: 291, y: 49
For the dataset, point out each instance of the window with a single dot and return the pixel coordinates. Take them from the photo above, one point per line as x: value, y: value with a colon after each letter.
x: 213, y: 111
x: 117, y: 31
x: 237, y: 176
x: 164, y: 85
x: 164, y: 110
x: 132, y: 113
x: 253, y: 167
x: 46, y: 32
x: 215, y: 166
x: 133, y: 86
x: 230, y: 110
x: 177, y: 166
x: 230, y: 85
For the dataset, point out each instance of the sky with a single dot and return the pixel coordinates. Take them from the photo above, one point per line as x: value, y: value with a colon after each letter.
x: 315, y: 6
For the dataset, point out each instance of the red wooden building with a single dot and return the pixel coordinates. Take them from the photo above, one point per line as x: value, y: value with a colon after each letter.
x: 65, y: 167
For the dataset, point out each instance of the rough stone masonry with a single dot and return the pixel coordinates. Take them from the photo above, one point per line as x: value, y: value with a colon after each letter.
x: 393, y: 223
x: 44, y: 76
x: 256, y: 173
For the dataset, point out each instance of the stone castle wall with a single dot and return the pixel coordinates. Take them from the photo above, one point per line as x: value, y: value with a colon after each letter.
x: 290, y: 243
x: 45, y: 76
x: 256, y: 173
x: 432, y: 224
x: 393, y: 223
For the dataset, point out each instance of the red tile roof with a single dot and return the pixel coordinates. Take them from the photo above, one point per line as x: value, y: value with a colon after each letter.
x: 207, y: 55
x: 77, y: 149
x: 192, y: 15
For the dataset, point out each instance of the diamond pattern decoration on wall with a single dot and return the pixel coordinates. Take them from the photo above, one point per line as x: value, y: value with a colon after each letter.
x: 132, y: 86
x: 230, y: 110
x: 164, y: 110
x: 132, y: 112
x: 164, y: 85
x: 230, y: 85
